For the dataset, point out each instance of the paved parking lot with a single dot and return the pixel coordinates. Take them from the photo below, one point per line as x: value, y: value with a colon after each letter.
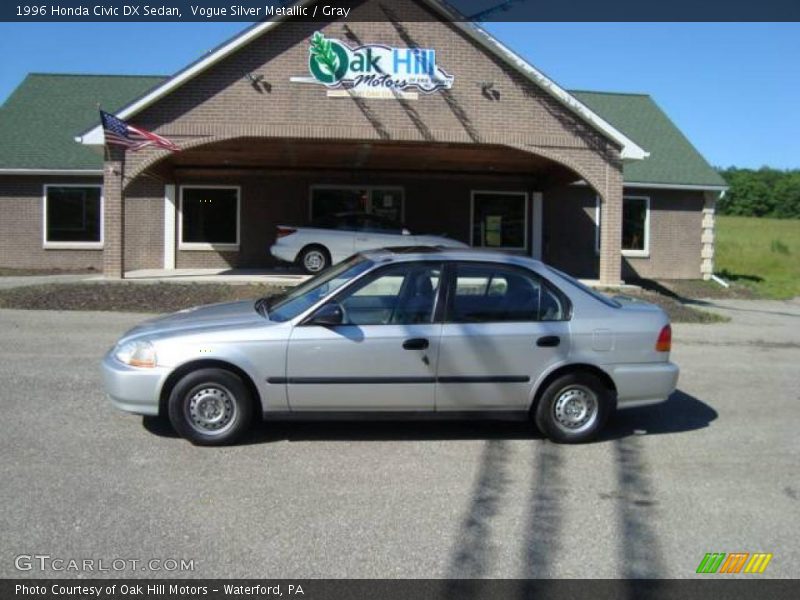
x: 713, y: 470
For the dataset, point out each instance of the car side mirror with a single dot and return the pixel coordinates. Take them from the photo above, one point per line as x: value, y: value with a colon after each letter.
x: 328, y: 315
x: 405, y: 231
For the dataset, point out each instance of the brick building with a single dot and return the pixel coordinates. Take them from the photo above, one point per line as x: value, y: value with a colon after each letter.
x: 451, y: 133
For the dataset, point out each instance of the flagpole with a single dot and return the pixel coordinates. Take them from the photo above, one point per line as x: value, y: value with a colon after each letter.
x: 106, y: 154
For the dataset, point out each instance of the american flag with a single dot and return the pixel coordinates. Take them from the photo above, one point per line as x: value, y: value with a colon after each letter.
x: 120, y: 133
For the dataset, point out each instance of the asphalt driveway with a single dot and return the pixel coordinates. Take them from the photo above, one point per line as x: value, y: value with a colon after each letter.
x: 713, y: 470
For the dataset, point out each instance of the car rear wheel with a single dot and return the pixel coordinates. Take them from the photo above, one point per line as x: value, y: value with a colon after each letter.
x: 314, y: 259
x: 211, y: 407
x: 574, y: 408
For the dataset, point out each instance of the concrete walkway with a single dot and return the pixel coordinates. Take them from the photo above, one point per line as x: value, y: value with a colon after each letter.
x: 236, y: 276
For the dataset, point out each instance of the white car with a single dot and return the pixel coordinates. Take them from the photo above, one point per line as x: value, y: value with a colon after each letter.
x: 331, y: 239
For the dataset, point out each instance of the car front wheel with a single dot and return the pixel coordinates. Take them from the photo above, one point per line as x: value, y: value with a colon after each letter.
x: 210, y: 407
x: 314, y: 259
x: 574, y: 408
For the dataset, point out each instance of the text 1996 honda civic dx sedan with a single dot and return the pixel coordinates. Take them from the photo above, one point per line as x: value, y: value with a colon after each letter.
x: 410, y: 331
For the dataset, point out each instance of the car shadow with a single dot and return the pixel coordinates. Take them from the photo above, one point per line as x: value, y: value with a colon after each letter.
x: 681, y: 412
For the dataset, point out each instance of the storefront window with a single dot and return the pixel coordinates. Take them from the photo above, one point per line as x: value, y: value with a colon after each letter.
x: 382, y: 201
x: 634, y: 223
x: 209, y: 216
x: 73, y: 215
x: 499, y: 219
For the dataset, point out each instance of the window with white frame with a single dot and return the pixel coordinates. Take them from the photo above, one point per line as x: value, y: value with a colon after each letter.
x: 209, y: 217
x: 635, y: 225
x: 383, y: 201
x: 499, y: 220
x: 73, y: 216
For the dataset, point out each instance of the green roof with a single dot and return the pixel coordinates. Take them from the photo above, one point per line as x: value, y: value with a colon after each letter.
x: 39, y: 121
x: 673, y: 159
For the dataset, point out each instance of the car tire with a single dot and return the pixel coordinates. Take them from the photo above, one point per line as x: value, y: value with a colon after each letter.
x: 314, y: 259
x: 574, y: 408
x: 211, y: 407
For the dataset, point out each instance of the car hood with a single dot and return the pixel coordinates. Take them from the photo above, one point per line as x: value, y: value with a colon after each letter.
x: 226, y: 315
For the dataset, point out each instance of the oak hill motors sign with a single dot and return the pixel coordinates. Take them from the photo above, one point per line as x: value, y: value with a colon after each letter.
x: 373, y: 70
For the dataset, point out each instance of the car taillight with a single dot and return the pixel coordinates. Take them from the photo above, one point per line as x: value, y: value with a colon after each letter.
x: 284, y: 231
x: 664, y: 342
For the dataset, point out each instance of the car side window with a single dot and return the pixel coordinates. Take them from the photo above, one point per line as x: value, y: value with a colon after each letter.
x: 400, y: 295
x: 489, y: 293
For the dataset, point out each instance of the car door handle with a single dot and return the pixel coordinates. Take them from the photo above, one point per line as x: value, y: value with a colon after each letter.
x: 415, y: 344
x: 548, y: 341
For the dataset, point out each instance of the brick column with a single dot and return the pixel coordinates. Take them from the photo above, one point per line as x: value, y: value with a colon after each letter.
x: 707, y: 236
x: 113, y: 216
x: 611, y: 227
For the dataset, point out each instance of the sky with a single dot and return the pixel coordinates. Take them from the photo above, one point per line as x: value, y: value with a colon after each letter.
x: 732, y: 88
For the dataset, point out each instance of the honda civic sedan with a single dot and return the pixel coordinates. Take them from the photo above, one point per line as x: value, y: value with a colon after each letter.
x: 401, y: 332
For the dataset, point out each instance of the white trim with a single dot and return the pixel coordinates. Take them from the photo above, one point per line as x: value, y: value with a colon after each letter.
x: 630, y: 150
x: 369, y: 188
x: 666, y: 186
x: 536, y: 224
x: 169, y: 226
x: 630, y: 253
x: 205, y: 246
x: 48, y: 245
x: 63, y: 172
x: 526, y: 227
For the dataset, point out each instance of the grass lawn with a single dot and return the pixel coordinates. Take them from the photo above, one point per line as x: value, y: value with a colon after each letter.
x: 763, y: 254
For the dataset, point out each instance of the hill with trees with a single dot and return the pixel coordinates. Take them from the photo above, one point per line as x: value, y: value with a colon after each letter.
x: 763, y: 192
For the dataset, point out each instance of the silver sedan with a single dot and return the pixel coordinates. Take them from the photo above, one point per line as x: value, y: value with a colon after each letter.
x: 403, y: 331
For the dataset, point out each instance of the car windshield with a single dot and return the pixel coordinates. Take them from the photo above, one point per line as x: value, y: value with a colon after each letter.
x: 315, y: 289
x: 582, y: 286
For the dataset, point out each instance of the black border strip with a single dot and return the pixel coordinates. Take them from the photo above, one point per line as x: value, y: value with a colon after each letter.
x: 397, y: 380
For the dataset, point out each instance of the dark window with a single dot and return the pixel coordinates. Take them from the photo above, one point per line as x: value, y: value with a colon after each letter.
x: 73, y: 214
x: 383, y: 202
x: 400, y: 295
x: 634, y: 224
x: 498, y: 220
x: 373, y: 224
x: 340, y: 222
x: 495, y: 293
x: 210, y: 216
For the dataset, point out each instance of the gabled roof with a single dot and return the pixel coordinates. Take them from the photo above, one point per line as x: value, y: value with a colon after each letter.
x: 39, y: 120
x: 673, y: 160
x: 630, y: 149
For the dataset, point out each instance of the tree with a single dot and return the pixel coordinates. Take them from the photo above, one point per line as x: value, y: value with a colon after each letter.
x: 761, y: 193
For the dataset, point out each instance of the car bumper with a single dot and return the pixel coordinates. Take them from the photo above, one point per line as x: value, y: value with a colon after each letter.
x: 131, y: 389
x: 644, y: 384
x: 283, y: 253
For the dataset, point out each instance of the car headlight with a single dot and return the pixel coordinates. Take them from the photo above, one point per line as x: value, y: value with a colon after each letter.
x: 136, y: 354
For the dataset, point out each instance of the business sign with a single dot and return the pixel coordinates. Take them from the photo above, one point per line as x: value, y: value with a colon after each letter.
x: 373, y: 70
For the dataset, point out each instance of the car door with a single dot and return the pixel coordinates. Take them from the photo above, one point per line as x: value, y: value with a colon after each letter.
x: 382, y: 357
x: 502, y: 328
x: 374, y: 232
x: 337, y: 233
